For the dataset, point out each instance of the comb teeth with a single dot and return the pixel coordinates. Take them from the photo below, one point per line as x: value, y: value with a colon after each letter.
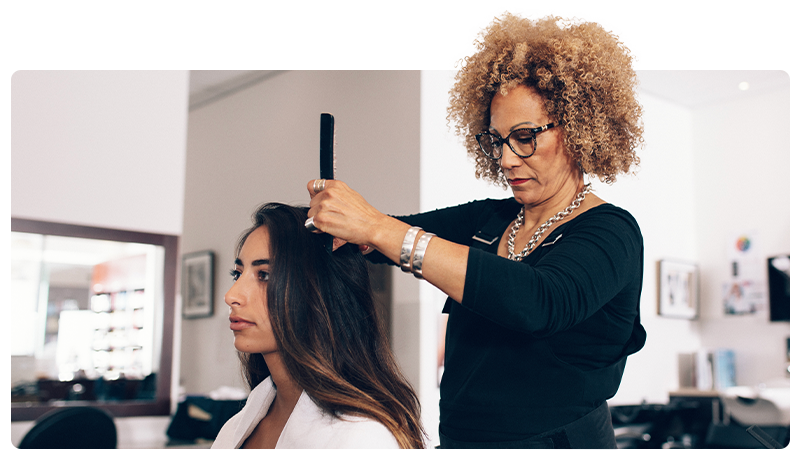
x: 333, y: 151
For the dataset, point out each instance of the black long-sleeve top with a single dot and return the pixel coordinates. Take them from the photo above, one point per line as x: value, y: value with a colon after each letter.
x: 539, y: 343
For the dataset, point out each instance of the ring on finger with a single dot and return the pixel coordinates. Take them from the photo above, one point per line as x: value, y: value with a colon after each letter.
x: 319, y: 186
x: 310, y: 224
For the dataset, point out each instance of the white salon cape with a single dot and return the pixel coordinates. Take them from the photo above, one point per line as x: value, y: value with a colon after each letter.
x: 308, y: 425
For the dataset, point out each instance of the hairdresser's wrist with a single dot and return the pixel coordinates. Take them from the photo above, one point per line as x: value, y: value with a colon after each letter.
x: 389, y: 236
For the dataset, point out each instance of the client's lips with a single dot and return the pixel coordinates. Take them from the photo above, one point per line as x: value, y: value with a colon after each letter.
x: 239, y: 324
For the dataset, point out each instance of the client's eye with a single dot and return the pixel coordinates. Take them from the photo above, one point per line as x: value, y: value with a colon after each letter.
x: 263, y: 276
x: 235, y: 274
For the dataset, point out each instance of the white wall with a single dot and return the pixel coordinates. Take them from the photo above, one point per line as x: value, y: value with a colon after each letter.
x: 704, y: 176
x: 99, y: 148
x: 742, y: 160
x: 661, y: 198
x: 261, y: 145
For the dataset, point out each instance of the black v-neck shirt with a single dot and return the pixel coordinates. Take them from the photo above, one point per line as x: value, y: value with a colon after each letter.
x: 539, y: 343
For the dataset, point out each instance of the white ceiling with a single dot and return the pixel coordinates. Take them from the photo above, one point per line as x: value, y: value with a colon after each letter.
x: 688, y: 88
x: 698, y: 88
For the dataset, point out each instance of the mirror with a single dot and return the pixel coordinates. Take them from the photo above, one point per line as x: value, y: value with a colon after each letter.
x: 94, y: 311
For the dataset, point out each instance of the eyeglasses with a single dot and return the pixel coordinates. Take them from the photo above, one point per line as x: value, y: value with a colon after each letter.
x: 524, y: 140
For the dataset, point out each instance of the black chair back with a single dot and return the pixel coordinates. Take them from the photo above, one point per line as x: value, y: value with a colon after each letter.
x: 73, y: 427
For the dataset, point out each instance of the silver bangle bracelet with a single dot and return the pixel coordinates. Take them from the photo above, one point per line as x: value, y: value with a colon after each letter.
x: 407, y: 248
x: 419, y: 254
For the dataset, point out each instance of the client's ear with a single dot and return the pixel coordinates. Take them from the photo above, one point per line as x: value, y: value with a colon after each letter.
x: 338, y: 242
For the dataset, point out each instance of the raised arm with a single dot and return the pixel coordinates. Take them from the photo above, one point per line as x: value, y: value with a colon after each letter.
x: 342, y: 212
x: 598, y: 257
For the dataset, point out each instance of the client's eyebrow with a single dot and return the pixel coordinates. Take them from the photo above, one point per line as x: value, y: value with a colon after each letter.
x: 257, y: 262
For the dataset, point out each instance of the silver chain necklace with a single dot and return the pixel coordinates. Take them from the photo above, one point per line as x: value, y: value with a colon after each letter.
x: 543, y: 227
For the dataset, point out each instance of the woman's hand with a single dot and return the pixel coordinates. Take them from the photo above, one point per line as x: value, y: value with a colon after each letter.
x: 342, y: 212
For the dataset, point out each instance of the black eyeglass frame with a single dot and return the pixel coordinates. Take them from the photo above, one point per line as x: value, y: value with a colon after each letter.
x: 506, y: 141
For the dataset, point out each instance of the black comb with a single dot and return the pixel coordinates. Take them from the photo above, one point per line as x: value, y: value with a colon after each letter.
x: 327, y: 168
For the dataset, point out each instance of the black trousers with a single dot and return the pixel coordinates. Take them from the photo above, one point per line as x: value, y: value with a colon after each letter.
x: 593, y: 430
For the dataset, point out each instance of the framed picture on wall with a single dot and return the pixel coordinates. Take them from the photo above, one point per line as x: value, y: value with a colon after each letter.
x: 678, y: 289
x: 197, y: 284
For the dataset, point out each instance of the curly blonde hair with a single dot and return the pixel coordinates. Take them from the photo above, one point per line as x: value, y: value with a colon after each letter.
x: 584, y: 76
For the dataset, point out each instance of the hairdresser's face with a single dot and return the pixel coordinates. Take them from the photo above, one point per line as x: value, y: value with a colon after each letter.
x: 247, y: 298
x: 549, y: 173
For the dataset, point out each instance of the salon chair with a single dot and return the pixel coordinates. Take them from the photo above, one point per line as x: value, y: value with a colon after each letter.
x: 72, y: 427
x: 745, y: 408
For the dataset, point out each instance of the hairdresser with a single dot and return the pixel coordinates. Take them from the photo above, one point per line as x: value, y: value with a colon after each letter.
x: 543, y: 288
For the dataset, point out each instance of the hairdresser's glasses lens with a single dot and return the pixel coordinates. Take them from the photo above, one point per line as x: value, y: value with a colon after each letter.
x: 492, y: 145
x: 522, y: 142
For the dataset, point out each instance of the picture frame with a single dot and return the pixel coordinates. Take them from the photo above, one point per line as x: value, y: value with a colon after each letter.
x: 197, y: 284
x: 678, y: 289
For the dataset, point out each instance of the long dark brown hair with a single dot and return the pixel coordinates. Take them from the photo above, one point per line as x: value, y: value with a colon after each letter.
x: 327, y: 329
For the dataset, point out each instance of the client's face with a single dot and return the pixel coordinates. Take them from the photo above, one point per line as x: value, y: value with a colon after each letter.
x: 247, y: 297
